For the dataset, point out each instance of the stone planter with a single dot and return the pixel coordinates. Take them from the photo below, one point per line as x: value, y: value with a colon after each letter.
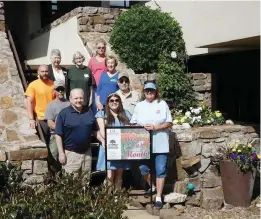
x: 237, y: 186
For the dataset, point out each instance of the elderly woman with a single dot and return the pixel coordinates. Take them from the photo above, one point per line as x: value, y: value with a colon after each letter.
x: 56, y: 72
x: 154, y: 114
x: 80, y: 76
x: 108, y: 82
x: 97, y: 66
x: 114, y: 115
x: 97, y: 63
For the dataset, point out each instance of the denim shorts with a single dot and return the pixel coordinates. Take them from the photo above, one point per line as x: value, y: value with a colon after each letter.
x: 160, y: 163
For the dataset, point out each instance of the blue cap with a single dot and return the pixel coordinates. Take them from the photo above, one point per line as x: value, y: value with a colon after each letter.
x: 150, y: 85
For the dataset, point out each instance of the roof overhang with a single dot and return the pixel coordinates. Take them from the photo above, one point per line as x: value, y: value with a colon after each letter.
x: 250, y: 42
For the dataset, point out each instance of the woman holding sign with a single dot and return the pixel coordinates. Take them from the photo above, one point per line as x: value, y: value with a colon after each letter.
x: 154, y: 114
x: 114, y: 115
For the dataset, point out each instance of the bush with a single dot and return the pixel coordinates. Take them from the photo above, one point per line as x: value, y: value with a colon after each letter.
x: 150, y: 41
x: 66, y: 197
x: 141, y: 35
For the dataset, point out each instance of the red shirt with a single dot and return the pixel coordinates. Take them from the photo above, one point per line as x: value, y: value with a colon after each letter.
x: 97, y: 68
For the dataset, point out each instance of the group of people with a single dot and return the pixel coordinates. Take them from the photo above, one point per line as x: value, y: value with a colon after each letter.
x: 75, y: 104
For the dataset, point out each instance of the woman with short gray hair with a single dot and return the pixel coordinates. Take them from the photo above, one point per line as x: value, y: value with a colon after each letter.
x: 56, y: 72
x: 80, y: 76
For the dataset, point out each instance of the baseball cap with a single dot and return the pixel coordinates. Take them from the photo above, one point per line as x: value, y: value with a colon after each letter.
x: 150, y: 85
x: 123, y: 74
x: 58, y: 83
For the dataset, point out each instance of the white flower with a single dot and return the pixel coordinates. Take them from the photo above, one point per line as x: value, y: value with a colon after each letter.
x: 196, y: 111
x: 188, y: 114
x: 173, y: 54
x: 175, y: 122
x: 180, y: 111
x: 200, y: 109
x: 191, y: 108
x: 208, y: 121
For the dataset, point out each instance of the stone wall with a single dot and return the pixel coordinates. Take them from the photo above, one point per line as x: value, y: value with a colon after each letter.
x: 197, y: 151
x: 18, y: 142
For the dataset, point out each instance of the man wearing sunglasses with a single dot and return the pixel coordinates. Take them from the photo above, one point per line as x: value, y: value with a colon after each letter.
x: 51, y: 113
x: 129, y: 98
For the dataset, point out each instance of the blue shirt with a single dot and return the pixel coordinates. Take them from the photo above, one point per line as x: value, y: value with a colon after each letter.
x: 75, y: 128
x: 107, y: 85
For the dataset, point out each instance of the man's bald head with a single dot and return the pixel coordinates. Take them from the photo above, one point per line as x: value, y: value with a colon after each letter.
x: 43, y: 72
x: 77, y: 98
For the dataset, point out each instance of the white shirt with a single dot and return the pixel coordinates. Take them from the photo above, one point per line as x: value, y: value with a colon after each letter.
x: 154, y: 113
x: 58, y: 75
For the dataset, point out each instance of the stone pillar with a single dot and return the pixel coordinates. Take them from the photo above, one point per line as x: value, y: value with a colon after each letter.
x: 18, y: 143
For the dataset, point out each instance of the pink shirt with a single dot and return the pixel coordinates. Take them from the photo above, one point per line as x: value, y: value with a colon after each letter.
x: 97, y: 68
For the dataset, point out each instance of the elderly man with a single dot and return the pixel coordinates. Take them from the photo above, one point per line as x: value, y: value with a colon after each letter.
x: 39, y: 93
x: 51, y: 113
x: 74, y: 128
x: 129, y: 98
x: 56, y: 72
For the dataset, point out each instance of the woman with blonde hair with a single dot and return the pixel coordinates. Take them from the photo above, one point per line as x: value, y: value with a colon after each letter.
x: 108, y: 81
x: 97, y: 66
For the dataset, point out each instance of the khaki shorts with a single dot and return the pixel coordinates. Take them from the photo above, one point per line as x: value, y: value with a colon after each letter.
x: 78, y: 162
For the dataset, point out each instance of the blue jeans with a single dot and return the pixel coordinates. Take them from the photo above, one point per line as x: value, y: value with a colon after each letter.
x: 160, y: 162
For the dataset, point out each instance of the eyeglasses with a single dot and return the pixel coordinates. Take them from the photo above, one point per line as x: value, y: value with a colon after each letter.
x: 60, y: 89
x: 101, y: 47
x: 124, y: 80
x: 114, y: 100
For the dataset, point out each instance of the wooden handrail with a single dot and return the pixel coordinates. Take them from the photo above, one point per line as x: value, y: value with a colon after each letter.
x: 21, y: 74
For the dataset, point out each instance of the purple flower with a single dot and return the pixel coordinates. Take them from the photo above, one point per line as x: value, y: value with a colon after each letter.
x: 242, y: 157
x: 233, y: 156
x: 254, y: 156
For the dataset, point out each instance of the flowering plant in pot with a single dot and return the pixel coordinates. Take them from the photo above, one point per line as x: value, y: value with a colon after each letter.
x: 238, y: 170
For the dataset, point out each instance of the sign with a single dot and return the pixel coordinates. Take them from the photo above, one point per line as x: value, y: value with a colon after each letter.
x: 128, y: 143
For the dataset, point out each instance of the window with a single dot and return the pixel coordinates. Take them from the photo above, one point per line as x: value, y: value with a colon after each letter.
x: 119, y: 4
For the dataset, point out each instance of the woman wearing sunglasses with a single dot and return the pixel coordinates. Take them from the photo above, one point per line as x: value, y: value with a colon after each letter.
x: 154, y: 114
x: 113, y: 115
x: 97, y: 66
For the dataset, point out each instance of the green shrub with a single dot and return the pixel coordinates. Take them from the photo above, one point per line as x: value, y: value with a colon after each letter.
x: 65, y: 197
x: 150, y: 41
x: 141, y: 35
x: 174, y: 85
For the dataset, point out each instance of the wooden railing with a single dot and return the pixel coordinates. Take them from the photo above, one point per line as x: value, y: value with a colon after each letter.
x: 21, y: 75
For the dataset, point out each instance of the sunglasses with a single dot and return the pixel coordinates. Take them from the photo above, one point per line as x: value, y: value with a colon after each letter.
x: 149, y: 90
x: 114, y: 101
x: 124, y: 80
x: 101, y: 47
x: 60, y: 89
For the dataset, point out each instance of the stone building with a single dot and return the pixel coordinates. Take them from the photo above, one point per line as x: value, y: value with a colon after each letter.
x: 38, y: 27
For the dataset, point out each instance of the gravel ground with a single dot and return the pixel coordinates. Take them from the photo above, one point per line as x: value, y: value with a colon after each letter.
x: 235, y: 213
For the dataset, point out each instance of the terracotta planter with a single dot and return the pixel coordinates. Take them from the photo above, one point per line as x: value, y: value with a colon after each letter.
x: 237, y: 186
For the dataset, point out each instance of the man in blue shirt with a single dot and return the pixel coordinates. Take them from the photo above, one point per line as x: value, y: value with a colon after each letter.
x: 74, y: 127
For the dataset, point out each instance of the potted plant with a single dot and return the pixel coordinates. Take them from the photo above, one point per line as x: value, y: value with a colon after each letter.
x: 238, y: 171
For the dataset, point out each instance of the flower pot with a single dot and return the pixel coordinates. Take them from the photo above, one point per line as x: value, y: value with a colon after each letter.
x: 237, y: 185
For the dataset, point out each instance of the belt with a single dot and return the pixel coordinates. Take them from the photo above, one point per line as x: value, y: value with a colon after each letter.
x: 75, y: 151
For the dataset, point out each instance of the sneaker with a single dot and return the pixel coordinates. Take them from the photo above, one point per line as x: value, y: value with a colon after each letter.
x: 148, y: 192
x: 158, y: 205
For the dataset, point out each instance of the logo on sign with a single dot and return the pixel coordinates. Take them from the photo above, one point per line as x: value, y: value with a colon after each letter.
x: 113, y: 145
